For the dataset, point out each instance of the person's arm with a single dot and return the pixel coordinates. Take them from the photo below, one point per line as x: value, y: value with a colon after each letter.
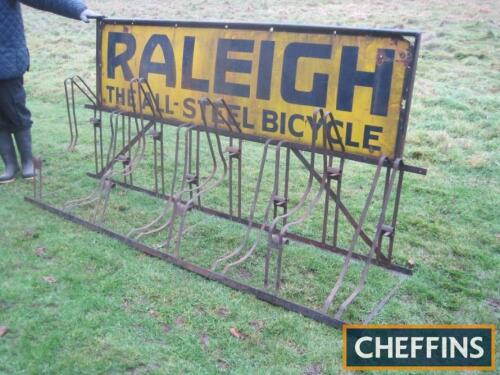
x: 68, y: 8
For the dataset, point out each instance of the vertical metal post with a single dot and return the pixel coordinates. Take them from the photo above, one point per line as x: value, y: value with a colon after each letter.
x: 198, y: 162
x: 240, y: 147
x: 287, y: 184
x: 337, y: 203
x: 395, y: 214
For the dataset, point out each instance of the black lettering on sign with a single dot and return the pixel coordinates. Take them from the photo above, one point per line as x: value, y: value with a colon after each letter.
x: 332, y: 134
x: 318, y: 94
x: 189, y: 108
x: 130, y: 97
x: 120, y: 96
x: 265, y: 70
x: 166, y: 68
x: 380, y: 80
x: 110, y: 93
x: 216, y: 115
x: 282, y: 122
x: 121, y: 60
x: 348, y: 136
x: 315, y: 125
x: 188, y: 82
x: 147, y: 101
x: 168, y: 105
x: 369, y: 136
x: 269, y: 121
x: 291, y: 125
x: 224, y: 64
x: 246, y: 123
x: 235, y: 109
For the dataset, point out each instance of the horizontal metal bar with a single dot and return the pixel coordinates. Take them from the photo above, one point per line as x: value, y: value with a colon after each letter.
x: 253, y: 138
x: 314, y: 29
x: 292, y: 236
x: 210, y: 275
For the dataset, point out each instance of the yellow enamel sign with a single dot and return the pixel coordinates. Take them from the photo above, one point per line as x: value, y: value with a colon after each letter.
x: 272, y: 80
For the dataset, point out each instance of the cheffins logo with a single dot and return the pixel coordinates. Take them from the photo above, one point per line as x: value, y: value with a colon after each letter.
x: 419, y: 347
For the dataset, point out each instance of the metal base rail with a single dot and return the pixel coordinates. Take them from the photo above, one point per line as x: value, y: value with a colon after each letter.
x: 210, y: 275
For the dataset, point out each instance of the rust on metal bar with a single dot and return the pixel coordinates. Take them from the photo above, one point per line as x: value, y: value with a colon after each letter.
x: 328, y: 129
x: 210, y: 275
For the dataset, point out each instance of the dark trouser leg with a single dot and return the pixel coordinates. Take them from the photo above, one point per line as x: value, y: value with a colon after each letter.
x: 8, y: 154
x: 16, y: 118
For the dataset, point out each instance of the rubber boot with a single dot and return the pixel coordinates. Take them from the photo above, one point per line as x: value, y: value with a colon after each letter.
x: 23, y: 141
x: 8, y: 154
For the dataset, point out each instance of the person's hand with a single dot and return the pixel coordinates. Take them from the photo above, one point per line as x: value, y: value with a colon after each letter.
x: 87, y: 13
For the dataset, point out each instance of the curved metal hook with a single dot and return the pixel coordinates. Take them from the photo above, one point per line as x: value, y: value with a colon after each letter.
x: 252, y: 211
x: 264, y: 221
x: 364, y: 273
x: 329, y: 300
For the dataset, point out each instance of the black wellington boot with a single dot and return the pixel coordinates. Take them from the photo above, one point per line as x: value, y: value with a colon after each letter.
x: 8, y: 154
x: 23, y: 141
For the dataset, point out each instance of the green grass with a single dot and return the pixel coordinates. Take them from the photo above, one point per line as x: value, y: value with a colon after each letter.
x: 113, y: 310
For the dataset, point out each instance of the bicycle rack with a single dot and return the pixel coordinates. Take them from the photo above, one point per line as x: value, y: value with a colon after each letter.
x: 219, y: 141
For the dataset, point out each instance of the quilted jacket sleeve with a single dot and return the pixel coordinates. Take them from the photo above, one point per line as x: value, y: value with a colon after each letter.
x: 66, y: 8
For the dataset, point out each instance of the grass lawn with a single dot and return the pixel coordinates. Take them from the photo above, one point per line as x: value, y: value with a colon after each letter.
x: 77, y: 302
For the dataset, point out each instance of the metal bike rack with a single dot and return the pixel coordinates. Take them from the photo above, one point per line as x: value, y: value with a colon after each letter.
x: 201, y: 160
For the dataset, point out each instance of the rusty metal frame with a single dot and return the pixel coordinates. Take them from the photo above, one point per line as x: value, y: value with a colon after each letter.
x: 275, y: 225
x: 271, y: 297
x: 210, y: 275
x: 399, y: 269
